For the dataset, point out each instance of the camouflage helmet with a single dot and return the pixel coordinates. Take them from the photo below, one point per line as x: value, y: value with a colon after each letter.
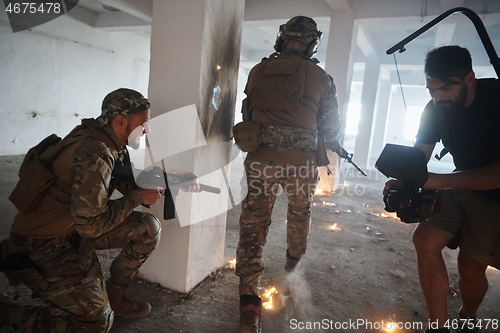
x: 301, y: 28
x: 122, y: 101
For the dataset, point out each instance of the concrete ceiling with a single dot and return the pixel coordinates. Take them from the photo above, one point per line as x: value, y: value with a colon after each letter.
x: 382, y: 23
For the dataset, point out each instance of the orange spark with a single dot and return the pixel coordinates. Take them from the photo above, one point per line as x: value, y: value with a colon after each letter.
x: 267, y: 298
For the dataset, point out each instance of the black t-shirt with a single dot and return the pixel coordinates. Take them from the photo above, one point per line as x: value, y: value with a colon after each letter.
x: 472, y: 135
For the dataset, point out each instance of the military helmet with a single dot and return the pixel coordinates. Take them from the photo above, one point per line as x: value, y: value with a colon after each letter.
x: 301, y: 28
x: 122, y: 101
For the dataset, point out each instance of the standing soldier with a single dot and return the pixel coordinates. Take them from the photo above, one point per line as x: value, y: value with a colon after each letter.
x: 75, y: 218
x: 291, y: 113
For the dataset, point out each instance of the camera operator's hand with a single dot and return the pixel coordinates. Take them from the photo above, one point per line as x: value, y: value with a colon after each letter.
x: 390, y: 184
x: 150, y: 196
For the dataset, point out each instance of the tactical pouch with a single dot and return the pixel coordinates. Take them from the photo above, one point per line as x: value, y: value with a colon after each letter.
x: 247, y: 136
x: 286, y: 136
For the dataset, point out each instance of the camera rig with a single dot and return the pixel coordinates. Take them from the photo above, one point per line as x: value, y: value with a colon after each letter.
x: 410, y: 202
x: 478, y: 24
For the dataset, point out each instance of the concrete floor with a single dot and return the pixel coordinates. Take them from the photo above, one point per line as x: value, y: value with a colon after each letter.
x: 363, y: 274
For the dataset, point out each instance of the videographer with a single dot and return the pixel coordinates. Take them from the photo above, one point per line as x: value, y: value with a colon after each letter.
x: 464, y: 114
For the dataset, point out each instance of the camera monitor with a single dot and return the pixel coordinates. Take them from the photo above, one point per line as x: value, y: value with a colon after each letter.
x: 407, y: 164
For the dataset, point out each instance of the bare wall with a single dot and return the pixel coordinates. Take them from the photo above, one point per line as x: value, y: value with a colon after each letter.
x: 55, y: 74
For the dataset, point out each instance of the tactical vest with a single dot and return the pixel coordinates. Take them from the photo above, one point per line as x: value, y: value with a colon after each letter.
x: 43, y: 183
x: 284, y: 94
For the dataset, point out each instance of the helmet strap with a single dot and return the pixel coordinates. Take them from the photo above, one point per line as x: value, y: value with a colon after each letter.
x: 310, y: 49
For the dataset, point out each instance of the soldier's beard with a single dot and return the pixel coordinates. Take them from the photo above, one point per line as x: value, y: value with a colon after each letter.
x: 456, y: 106
x: 134, y: 138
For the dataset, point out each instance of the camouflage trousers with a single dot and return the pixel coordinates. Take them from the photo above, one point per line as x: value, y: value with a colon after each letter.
x: 69, y: 280
x: 264, y: 183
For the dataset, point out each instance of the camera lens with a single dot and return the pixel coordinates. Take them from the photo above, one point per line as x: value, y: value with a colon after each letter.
x: 395, y: 201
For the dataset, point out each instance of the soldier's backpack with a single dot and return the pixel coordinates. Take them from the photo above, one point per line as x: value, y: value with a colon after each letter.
x: 36, y: 180
x: 34, y: 177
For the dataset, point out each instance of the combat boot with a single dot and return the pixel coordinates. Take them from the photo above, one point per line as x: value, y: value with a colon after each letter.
x: 29, y: 318
x: 250, y: 314
x: 291, y: 262
x: 124, y: 307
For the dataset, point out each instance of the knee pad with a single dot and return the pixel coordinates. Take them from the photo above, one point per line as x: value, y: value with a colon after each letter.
x: 152, y: 224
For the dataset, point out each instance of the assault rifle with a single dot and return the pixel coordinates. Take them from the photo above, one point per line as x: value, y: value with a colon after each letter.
x: 170, y: 182
x: 348, y: 157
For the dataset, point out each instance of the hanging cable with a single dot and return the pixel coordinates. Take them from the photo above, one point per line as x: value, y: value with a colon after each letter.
x: 486, y: 4
x: 400, y: 85
x: 423, y: 10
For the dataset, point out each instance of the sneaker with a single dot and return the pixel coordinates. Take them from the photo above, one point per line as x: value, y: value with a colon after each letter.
x: 466, y: 324
x: 466, y: 329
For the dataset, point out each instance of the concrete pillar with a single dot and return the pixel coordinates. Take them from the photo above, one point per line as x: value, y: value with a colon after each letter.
x: 380, y: 121
x: 339, y: 63
x: 368, y: 96
x: 195, y: 49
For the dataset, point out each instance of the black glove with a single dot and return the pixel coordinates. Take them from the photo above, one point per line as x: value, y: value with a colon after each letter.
x: 334, y: 146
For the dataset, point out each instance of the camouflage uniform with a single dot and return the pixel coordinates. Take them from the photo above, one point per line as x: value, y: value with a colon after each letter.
x: 62, y: 235
x: 295, y: 103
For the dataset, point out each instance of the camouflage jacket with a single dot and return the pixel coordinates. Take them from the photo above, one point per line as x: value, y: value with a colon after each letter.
x: 86, y: 166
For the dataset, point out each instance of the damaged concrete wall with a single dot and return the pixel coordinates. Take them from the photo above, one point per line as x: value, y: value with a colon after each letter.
x: 55, y: 74
x: 204, y: 60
